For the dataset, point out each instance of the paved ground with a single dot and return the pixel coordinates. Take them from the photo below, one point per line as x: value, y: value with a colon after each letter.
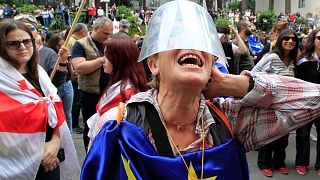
x: 255, y: 173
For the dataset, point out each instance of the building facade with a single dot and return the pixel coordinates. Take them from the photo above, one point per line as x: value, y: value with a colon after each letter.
x: 304, y: 7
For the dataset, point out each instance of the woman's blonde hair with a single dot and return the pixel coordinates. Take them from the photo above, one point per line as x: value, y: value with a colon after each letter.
x: 280, y: 26
x: 38, y: 40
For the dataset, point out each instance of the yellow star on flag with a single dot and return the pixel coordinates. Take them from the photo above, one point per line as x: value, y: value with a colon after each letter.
x: 191, y: 172
x: 193, y: 176
x: 127, y: 168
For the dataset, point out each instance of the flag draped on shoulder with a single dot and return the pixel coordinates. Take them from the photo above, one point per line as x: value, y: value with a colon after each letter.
x: 24, y: 115
x: 123, y: 151
x: 113, y: 96
x: 110, y: 99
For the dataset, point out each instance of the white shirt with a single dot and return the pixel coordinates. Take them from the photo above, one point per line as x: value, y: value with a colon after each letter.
x: 100, y: 12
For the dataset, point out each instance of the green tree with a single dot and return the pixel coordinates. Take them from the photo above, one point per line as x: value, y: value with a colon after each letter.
x: 125, y: 13
x: 234, y: 5
x: 266, y: 20
x: 222, y: 21
x: 28, y: 8
x: 302, y: 20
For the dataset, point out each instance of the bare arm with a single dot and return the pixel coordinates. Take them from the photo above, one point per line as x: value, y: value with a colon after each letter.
x: 82, y: 66
x: 227, y: 85
x: 242, y: 48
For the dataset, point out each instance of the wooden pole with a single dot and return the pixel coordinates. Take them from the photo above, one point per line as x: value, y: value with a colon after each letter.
x: 68, y: 37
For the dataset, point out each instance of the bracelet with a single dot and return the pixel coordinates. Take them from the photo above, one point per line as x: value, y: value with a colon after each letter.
x: 251, y: 84
x: 63, y: 64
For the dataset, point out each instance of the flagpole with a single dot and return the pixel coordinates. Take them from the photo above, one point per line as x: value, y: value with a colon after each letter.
x: 69, y: 36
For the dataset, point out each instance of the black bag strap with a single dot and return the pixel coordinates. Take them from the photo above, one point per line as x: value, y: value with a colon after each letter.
x: 159, y: 133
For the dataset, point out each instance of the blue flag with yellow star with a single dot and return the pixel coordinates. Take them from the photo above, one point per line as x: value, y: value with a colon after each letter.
x: 124, y: 152
x: 255, y: 46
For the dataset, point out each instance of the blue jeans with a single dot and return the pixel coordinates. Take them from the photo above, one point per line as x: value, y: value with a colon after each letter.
x: 46, y: 22
x: 65, y: 92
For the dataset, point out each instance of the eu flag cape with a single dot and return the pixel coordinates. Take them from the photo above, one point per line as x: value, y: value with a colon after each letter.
x: 124, y: 152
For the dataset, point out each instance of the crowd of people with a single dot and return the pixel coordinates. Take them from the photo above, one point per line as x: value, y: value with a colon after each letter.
x: 192, y: 101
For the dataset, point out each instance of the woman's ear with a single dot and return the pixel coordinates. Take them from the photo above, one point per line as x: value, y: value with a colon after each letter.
x: 153, y: 65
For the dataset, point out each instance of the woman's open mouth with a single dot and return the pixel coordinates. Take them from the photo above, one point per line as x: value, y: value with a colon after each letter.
x: 190, y: 60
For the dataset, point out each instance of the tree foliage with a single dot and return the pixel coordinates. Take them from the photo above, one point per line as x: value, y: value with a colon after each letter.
x: 222, y: 21
x: 234, y: 5
x: 302, y: 20
x: 121, y: 2
x: 28, y: 8
x: 126, y: 13
x: 266, y: 19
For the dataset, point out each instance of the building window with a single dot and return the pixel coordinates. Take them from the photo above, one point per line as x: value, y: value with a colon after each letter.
x: 302, y: 3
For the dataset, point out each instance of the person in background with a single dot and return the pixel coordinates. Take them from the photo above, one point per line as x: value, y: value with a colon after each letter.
x: 87, y: 60
x: 65, y: 90
x: 308, y: 70
x: 127, y: 78
x: 277, y: 28
x: 100, y: 12
x: 14, y: 10
x: 34, y: 138
x: 80, y: 31
x: 231, y: 50
x: 124, y: 27
x: 281, y: 61
x: 1, y: 13
x: 171, y: 131
x: 7, y: 11
x: 246, y: 60
x: 45, y: 16
x: 91, y: 14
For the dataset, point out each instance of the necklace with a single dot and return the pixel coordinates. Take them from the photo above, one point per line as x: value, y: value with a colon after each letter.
x: 177, y: 149
x: 179, y: 126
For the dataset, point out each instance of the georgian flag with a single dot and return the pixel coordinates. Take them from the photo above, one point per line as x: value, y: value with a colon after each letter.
x: 24, y: 114
x: 110, y: 99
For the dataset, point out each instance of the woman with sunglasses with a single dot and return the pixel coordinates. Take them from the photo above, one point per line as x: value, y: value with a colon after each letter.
x: 34, y: 138
x: 48, y: 57
x: 308, y: 70
x: 281, y: 61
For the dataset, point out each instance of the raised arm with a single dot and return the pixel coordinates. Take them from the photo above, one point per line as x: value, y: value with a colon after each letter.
x: 242, y: 48
x: 275, y: 106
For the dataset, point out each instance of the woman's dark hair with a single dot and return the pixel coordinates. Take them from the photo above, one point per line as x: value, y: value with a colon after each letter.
x: 225, y: 29
x: 8, y: 26
x: 310, y: 45
x: 54, y: 40
x: 279, y: 49
x: 123, y: 54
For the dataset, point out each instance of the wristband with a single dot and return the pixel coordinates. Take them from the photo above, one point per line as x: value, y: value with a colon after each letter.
x: 63, y: 64
x: 251, y: 84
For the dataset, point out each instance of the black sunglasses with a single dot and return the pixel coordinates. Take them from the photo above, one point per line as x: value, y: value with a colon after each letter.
x: 287, y: 38
x: 318, y: 37
x: 13, y: 45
